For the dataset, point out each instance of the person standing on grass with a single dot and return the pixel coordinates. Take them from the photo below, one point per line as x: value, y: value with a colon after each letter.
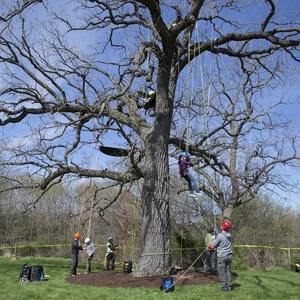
x: 210, y: 255
x: 90, y: 250
x: 223, y: 243
x: 74, y: 253
x: 110, y: 257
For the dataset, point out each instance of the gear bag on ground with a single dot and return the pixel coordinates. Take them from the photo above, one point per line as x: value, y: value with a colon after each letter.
x: 167, y: 284
x: 127, y: 267
x: 31, y: 273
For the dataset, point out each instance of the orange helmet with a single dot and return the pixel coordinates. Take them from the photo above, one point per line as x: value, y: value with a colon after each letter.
x: 77, y: 235
x: 225, y: 225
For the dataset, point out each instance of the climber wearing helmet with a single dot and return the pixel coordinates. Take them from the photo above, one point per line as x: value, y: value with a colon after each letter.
x: 147, y: 100
x: 183, y: 164
x: 74, y: 253
x: 223, y: 243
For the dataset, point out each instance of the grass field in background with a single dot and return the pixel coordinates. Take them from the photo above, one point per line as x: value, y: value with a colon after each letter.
x: 260, y: 285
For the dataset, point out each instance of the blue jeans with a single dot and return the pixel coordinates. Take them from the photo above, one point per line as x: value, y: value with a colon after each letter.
x: 190, y: 179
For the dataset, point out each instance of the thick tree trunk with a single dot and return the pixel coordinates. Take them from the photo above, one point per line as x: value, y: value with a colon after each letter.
x: 227, y: 213
x: 155, y: 258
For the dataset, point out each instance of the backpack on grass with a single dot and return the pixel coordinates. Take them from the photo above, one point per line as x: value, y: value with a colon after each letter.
x: 31, y: 273
x: 25, y: 274
x: 167, y: 284
x: 37, y: 273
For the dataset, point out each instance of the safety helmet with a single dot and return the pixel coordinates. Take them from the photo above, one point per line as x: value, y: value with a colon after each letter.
x: 185, y: 154
x: 77, y: 235
x: 225, y: 225
x: 86, y: 240
x: 151, y: 93
x: 110, y: 238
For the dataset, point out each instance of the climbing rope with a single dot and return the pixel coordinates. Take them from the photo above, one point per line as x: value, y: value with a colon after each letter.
x: 90, y: 184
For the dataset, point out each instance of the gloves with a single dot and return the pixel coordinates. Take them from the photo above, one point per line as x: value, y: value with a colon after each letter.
x: 209, y: 246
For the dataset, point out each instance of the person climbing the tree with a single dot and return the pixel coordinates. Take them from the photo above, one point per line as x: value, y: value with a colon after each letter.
x: 147, y: 101
x: 74, y: 254
x: 183, y: 164
x: 90, y: 250
x: 210, y: 255
x: 110, y: 256
x: 223, y: 243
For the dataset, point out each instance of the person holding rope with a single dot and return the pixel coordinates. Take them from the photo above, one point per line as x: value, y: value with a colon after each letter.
x: 223, y: 243
x: 74, y: 254
x: 111, y: 254
x: 210, y: 255
x: 183, y: 164
x: 90, y: 250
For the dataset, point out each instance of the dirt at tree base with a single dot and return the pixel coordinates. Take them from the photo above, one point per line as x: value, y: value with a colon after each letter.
x: 119, y: 279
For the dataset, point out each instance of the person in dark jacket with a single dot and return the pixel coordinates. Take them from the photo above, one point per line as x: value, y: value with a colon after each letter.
x: 223, y: 243
x: 183, y: 164
x: 147, y: 99
x: 74, y: 253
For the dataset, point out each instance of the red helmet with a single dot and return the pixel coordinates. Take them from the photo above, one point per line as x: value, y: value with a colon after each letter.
x: 225, y: 225
x: 77, y: 235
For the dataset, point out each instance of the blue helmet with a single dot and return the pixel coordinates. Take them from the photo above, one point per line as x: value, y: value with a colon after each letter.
x: 185, y: 154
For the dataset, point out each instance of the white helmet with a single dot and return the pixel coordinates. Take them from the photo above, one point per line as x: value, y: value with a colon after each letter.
x: 86, y: 240
x: 110, y: 238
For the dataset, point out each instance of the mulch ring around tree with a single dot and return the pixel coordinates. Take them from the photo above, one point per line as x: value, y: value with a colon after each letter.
x: 127, y: 280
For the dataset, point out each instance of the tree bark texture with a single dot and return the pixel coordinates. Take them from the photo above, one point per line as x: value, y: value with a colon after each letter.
x: 156, y: 258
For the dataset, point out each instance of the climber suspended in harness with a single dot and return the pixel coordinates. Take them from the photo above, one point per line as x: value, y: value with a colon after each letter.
x: 183, y: 164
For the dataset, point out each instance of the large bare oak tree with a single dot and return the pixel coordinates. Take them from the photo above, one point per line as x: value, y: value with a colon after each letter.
x: 75, y: 74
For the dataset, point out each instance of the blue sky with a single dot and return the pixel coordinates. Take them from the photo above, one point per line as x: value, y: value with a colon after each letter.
x: 81, y: 39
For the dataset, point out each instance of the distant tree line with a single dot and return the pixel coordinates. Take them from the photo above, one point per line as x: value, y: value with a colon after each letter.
x: 64, y: 210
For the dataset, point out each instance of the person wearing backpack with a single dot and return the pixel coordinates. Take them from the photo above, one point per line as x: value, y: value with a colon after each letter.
x: 74, y: 254
x: 90, y: 250
x: 223, y: 243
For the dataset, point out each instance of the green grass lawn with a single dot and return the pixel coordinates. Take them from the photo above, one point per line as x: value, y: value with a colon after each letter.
x: 259, y: 285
